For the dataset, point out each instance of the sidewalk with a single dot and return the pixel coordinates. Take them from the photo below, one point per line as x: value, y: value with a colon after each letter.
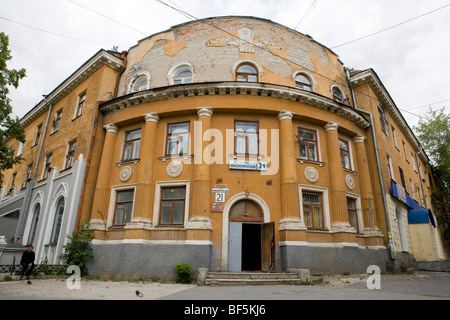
x: 417, y: 286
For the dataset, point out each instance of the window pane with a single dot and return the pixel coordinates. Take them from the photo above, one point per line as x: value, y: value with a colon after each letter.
x: 312, y: 151
x: 183, y: 72
x: 240, y: 144
x: 241, y: 78
x: 119, y: 215
x: 184, y: 139
x: 128, y: 212
x: 307, y: 215
x: 136, y: 149
x: 126, y: 196
x: 248, y: 127
x: 346, y: 161
x: 173, y: 193
x: 311, y: 198
x: 252, y: 144
x: 303, y: 152
x: 351, y: 204
x: 317, y: 217
x: 252, y: 78
x: 179, y: 128
x: 353, y: 221
x: 133, y: 135
x: 343, y: 145
x: 246, y: 69
x: 166, y: 212
x: 172, y: 146
x: 306, y: 134
x: 178, y: 212
x: 127, y: 151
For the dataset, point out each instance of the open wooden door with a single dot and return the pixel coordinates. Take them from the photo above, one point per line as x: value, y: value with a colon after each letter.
x: 268, y: 247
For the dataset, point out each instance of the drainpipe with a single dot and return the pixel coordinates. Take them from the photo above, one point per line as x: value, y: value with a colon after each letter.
x: 125, y: 61
x: 378, y: 163
x: 31, y: 186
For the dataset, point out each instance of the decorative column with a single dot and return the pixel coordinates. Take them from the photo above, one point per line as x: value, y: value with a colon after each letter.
x: 365, y: 182
x: 290, y: 206
x: 338, y: 198
x: 143, y: 211
x: 199, y: 225
x: 102, y: 190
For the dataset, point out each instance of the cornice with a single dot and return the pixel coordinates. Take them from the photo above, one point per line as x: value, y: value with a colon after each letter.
x: 371, y: 78
x: 100, y: 59
x: 235, y: 88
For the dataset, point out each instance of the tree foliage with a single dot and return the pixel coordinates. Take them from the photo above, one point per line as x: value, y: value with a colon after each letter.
x: 9, y: 126
x: 78, y: 250
x: 434, y: 133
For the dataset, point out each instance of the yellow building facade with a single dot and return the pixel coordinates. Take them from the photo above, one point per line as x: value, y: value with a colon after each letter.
x: 234, y: 144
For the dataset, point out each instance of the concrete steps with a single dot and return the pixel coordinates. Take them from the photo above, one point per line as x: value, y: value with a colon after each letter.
x: 250, y: 278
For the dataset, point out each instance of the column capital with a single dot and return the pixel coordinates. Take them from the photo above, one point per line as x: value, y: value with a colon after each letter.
x: 285, y: 115
x: 359, y: 138
x: 331, y: 126
x: 111, y: 128
x: 151, y: 117
x: 205, y: 112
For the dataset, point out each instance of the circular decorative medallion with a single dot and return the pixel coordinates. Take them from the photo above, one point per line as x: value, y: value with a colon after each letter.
x: 350, y: 182
x: 174, y: 169
x: 125, y: 174
x: 311, y: 174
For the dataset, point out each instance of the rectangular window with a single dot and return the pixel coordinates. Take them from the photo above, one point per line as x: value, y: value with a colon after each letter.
x: 413, y: 193
x: 27, y: 176
x: 394, y: 136
x: 404, y: 149
x: 413, y: 161
x: 132, y: 144
x: 81, y: 104
x: 172, y: 206
x: 11, y: 185
x: 391, y: 171
x: 246, y: 138
x: 177, y: 139
x: 402, y: 177
x: 47, y: 168
x: 313, y: 210
x: 308, y: 145
x: 20, y: 151
x: 123, y: 208
x: 352, y: 213
x: 56, y: 121
x: 70, y: 154
x: 37, y: 135
x: 345, y: 154
x: 383, y: 120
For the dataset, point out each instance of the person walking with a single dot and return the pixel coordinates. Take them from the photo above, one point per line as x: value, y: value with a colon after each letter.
x: 27, y: 263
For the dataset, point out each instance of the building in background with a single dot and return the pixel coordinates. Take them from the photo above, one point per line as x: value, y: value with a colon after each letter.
x: 252, y: 148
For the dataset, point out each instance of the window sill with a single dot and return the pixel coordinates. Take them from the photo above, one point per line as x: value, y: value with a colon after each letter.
x: 131, y: 161
x: 351, y: 171
x: 170, y: 227
x: 185, y: 157
x: 321, y: 164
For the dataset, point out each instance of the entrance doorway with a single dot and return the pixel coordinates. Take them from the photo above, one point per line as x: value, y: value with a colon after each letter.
x: 251, y: 242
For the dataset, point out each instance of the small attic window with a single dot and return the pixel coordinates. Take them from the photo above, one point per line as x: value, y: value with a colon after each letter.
x: 140, y: 82
x: 338, y: 95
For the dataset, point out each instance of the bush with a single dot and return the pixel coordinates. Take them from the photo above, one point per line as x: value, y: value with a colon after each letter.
x: 78, y: 250
x: 183, y: 272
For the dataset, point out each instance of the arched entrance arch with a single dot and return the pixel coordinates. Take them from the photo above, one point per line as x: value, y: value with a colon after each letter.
x: 247, y: 234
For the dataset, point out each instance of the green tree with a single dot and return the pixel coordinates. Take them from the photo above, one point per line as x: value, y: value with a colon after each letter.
x: 434, y: 133
x: 78, y: 250
x: 9, y: 126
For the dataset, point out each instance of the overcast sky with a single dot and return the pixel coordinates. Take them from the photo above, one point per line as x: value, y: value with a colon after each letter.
x: 411, y: 59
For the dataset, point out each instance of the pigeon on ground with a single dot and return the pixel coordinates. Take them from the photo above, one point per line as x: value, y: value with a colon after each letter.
x: 139, y: 294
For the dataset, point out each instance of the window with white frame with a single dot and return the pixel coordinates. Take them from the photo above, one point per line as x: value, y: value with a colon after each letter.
x: 314, y: 209
x: 56, y: 121
x: 57, y: 221
x: 80, y: 105
x: 338, y: 95
x: 139, y: 82
x: 181, y: 73
x: 70, y: 154
x: 391, y: 169
x: 123, y: 208
x: 171, y: 208
x: 131, y: 145
x: 304, y: 82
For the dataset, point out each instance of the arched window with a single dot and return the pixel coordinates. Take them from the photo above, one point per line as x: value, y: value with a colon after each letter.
x: 182, y: 75
x: 246, y: 210
x: 140, y: 82
x: 246, y: 73
x: 338, y: 95
x: 303, y: 82
x: 58, y: 221
x: 34, y: 223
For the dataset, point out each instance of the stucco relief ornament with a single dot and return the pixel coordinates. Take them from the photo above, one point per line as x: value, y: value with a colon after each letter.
x: 350, y: 182
x: 125, y: 174
x: 245, y: 41
x: 311, y: 174
x: 174, y: 169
